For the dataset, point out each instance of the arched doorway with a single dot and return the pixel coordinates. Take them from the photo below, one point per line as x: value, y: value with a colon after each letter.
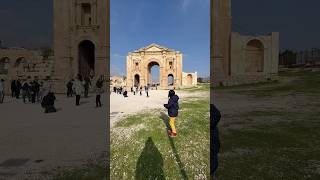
x: 170, y: 80
x: 254, y: 56
x: 136, y: 80
x: 153, y: 77
x: 189, y: 79
x: 20, y: 62
x: 4, y: 65
x: 86, y: 58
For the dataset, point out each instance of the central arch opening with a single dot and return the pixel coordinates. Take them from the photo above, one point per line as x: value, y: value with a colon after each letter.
x: 86, y: 58
x: 136, y: 80
x: 153, y: 74
x: 170, y: 80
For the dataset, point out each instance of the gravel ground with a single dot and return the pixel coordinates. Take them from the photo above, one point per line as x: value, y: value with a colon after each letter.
x: 32, y: 142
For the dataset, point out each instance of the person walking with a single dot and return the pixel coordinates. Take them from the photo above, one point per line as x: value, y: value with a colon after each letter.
x: 87, y: 84
x: 37, y: 90
x: 69, y: 88
x: 25, y: 89
x: 13, y: 88
x: 173, y: 107
x: 99, y: 86
x: 140, y: 90
x: 78, y: 88
x: 1, y: 91
x: 18, y: 88
x: 33, y: 92
x: 146, y: 88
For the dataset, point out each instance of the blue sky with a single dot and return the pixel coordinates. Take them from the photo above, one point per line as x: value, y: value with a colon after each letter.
x: 183, y: 25
x: 179, y: 24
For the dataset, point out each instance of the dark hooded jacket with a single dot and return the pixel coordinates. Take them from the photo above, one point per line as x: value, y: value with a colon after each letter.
x: 215, y: 117
x: 173, y: 106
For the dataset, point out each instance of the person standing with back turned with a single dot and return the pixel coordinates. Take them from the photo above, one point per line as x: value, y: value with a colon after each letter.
x: 78, y: 88
x: 173, y: 107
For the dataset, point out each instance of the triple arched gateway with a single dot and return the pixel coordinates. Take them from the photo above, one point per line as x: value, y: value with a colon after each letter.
x: 169, y: 62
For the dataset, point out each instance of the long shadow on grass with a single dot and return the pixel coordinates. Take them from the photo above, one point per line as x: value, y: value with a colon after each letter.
x: 150, y: 163
x: 165, y: 119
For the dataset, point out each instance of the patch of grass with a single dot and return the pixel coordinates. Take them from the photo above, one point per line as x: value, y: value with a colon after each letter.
x: 246, y: 86
x: 305, y: 82
x: 150, y: 153
x: 94, y: 169
x: 198, y: 88
x: 280, y: 151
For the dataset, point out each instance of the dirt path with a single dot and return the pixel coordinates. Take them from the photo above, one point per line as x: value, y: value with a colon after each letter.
x: 121, y: 107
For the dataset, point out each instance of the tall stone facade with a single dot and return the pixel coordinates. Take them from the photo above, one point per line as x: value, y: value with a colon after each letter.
x: 140, y: 62
x: 81, y: 40
x: 239, y: 59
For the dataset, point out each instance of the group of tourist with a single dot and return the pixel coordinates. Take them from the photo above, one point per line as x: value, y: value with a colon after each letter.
x: 31, y: 91
x: 34, y: 92
x: 81, y: 86
x: 134, y: 90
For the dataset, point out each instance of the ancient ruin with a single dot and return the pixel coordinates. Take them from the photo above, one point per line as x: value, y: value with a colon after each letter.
x: 81, y: 40
x: 239, y: 59
x: 140, y: 62
x: 81, y: 46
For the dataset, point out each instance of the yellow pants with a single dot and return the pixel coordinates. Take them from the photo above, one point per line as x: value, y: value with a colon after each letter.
x: 171, y: 122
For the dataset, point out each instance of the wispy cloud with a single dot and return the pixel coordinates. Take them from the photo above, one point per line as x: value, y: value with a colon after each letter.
x: 185, y: 4
x: 118, y: 56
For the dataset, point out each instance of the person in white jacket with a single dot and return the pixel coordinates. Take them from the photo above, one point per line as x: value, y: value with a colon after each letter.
x: 78, y: 88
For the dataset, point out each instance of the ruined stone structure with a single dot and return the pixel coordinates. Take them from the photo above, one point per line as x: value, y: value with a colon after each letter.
x: 81, y: 46
x: 81, y: 40
x: 24, y: 64
x: 140, y: 62
x: 239, y: 59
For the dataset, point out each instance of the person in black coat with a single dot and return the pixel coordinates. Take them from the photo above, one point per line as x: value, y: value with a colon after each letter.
x: 215, y: 117
x: 25, y: 91
x: 173, y: 107
x: 69, y: 88
x: 13, y: 88
x: 48, y: 103
x: 33, y: 92
x: 18, y: 88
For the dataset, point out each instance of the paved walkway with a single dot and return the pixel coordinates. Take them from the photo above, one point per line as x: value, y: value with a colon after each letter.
x: 32, y: 141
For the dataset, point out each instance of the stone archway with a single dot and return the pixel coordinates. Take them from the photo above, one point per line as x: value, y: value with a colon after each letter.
x: 86, y: 58
x: 254, y: 62
x: 189, y: 80
x: 4, y: 65
x: 142, y: 60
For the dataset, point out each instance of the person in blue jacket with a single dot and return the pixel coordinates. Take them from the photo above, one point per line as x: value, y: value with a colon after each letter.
x: 173, y: 107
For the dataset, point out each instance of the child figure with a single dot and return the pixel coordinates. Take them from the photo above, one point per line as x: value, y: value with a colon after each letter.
x: 173, y: 107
